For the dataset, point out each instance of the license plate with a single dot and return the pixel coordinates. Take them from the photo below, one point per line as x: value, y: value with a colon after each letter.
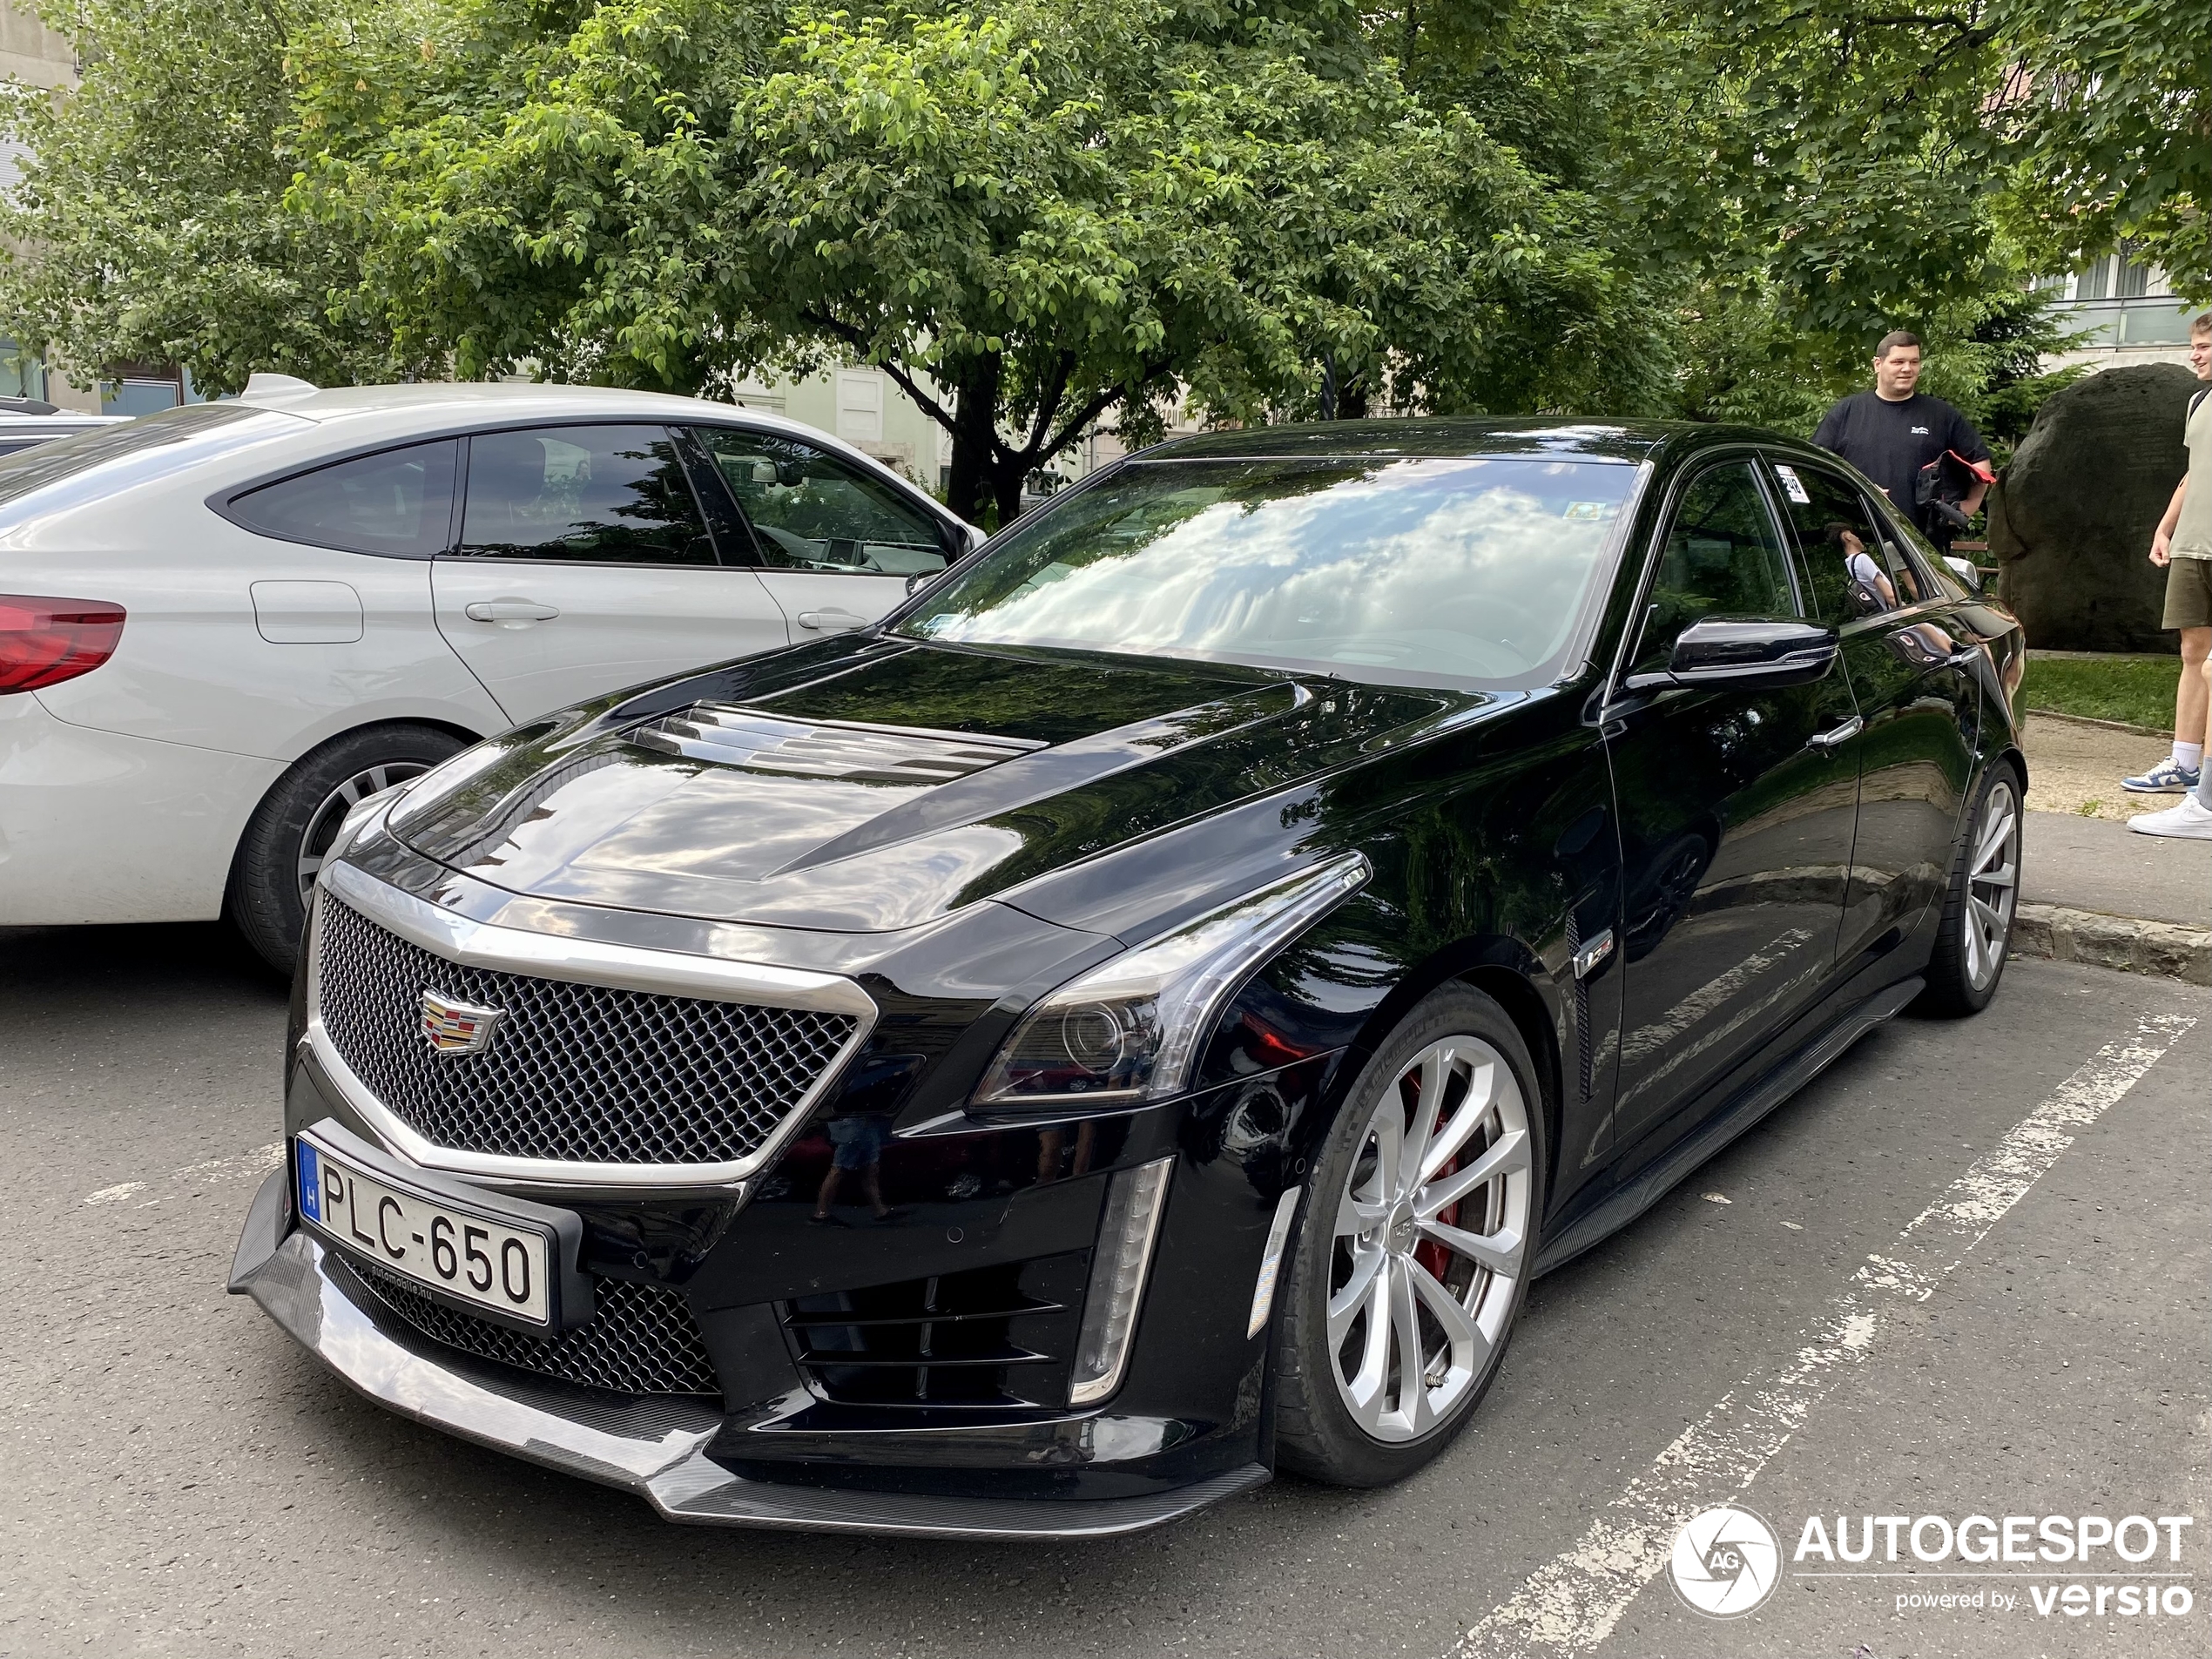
x: 476, y: 1257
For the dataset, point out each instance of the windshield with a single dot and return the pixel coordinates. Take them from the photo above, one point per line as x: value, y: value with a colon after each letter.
x: 1384, y: 569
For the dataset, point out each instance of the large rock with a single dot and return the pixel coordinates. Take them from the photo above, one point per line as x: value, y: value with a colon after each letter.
x: 2071, y: 519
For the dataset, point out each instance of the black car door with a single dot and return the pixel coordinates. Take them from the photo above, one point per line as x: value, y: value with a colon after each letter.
x: 1911, y: 670
x: 1737, y: 821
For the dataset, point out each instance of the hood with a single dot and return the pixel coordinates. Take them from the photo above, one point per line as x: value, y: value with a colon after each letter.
x: 890, y: 783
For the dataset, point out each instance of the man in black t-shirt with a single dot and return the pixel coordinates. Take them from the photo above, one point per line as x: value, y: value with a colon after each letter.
x: 1892, y: 432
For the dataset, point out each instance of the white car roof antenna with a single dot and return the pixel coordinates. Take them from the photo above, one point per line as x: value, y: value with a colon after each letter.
x: 276, y: 386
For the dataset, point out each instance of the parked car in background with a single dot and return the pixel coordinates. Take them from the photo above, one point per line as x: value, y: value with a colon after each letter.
x: 25, y: 421
x: 223, y: 625
x: 1141, y: 1015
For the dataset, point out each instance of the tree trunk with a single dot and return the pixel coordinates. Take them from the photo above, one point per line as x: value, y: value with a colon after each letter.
x: 975, y: 440
x: 1009, y: 480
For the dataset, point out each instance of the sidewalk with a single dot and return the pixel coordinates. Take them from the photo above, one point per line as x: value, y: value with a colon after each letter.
x: 2096, y: 891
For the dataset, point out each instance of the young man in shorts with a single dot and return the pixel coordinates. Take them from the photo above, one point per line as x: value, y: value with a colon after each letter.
x: 2183, y: 545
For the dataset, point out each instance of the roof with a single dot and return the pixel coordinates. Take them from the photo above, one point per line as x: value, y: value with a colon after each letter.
x: 470, y: 398
x: 1612, y: 441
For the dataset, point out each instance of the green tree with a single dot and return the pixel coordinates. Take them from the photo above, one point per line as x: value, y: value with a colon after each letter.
x: 1032, y: 213
x: 149, y: 223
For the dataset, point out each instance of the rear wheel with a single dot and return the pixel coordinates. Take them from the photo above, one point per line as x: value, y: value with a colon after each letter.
x: 1976, y: 934
x: 1414, y: 1254
x: 282, y: 850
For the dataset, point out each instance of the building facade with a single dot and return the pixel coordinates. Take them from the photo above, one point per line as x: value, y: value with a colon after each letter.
x: 2128, y: 310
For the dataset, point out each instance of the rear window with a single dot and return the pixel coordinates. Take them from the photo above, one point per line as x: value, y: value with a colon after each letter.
x: 194, y: 431
x: 396, y: 502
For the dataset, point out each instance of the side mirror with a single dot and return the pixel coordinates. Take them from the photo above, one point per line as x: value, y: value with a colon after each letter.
x: 1753, y: 655
x: 1966, y: 570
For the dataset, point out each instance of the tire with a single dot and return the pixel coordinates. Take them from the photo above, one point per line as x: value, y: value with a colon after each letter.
x: 298, y: 817
x: 1365, y: 1428
x: 1973, y: 941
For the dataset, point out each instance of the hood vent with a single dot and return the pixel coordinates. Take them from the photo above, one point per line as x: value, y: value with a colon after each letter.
x: 727, y: 736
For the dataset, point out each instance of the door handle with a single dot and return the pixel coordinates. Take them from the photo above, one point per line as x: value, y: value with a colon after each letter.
x: 832, y: 620
x: 511, y: 613
x: 1825, y: 741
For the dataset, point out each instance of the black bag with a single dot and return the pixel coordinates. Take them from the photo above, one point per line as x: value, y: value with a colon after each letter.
x: 1942, y: 485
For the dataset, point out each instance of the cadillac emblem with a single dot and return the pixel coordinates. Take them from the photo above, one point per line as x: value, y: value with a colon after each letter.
x: 453, y: 1028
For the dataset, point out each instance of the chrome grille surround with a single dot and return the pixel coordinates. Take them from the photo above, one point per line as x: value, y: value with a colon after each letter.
x: 641, y: 1338
x: 664, y: 1089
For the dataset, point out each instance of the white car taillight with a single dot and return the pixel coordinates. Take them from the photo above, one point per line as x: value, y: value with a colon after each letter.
x: 43, y: 642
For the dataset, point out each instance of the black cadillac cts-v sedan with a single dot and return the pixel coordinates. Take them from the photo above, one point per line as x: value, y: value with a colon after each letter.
x: 1141, y: 1015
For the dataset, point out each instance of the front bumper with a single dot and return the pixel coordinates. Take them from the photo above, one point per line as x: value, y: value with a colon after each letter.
x: 656, y: 1448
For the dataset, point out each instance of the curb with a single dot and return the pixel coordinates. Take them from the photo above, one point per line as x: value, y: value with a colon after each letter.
x: 2127, y: 943
x: 2102, y: 725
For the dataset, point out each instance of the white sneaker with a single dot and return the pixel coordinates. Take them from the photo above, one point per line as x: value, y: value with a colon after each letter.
x: 2191, y: 820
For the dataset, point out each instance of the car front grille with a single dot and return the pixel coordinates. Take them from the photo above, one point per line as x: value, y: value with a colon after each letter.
x: 995, y: 1336
x: 642, y: 1339
x: 586, y: 1074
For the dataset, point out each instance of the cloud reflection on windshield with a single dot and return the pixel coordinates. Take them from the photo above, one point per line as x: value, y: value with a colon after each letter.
x: 1459, y: 567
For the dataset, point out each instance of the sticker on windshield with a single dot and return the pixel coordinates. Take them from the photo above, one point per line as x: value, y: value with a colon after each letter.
x: 1588, y: 511
x: 1793, y: 487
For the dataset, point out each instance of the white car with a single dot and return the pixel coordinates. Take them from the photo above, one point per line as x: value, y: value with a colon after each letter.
x: 222, y: 625
x: 26, y: 423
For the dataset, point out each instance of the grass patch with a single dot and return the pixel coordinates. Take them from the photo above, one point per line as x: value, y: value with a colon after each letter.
x: 2136, y: 690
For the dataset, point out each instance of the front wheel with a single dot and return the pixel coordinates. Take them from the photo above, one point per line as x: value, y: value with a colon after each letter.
x: 284, y: 840
x: 1976, y: 932
x: 1414, y: 1254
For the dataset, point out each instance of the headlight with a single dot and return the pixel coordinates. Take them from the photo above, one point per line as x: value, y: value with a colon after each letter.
x: 1129, y: 1029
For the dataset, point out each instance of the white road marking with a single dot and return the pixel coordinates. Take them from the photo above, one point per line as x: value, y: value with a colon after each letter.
x: 1571, y: 1604
x: 246, y: 1166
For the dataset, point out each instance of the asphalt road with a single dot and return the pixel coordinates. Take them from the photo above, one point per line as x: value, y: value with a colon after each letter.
x: 179, y: 1479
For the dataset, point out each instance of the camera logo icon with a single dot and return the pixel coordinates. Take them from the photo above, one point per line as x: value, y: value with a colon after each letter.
x: 1726, y: 1563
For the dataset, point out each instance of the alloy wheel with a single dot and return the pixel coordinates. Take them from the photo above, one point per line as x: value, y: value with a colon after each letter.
x: 1430, y: 1240
x: 323, y: 822
x: 1992, y: 883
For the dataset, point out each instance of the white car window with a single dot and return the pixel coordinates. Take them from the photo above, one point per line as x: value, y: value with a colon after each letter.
x: 600, y: 494
x: 397, y: 501
x: 810, y: 511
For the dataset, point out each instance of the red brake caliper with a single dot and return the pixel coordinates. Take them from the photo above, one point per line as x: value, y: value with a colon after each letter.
x: 1430, y: 1254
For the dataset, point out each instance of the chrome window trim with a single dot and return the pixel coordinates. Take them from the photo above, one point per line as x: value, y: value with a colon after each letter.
x: 582, y: 961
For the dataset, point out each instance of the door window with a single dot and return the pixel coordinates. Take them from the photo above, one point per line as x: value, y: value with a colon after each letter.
x: 597, y: 495
x: 1854, y: 570
x: 398, y: 502
x: 810, y: 511
x: 1722, y: 557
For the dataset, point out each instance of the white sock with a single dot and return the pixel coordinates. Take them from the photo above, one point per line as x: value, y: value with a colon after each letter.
x: 2188, y: 756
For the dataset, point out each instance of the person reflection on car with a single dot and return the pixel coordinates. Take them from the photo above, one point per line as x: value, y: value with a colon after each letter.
x: 858, y: 1139
x: 1871, y: 588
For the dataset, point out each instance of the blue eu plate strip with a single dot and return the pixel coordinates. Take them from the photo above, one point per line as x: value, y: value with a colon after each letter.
x: 310, y: 1181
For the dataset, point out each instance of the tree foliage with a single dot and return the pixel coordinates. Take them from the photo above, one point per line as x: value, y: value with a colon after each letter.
x: 1030, y: 212
x: 1037, y: 213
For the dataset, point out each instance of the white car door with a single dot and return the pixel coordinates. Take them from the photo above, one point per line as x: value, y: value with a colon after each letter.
x: 583, y: 564
x: 837, y: 544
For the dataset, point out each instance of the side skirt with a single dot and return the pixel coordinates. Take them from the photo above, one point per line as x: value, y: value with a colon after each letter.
x: 1660, y: 1178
